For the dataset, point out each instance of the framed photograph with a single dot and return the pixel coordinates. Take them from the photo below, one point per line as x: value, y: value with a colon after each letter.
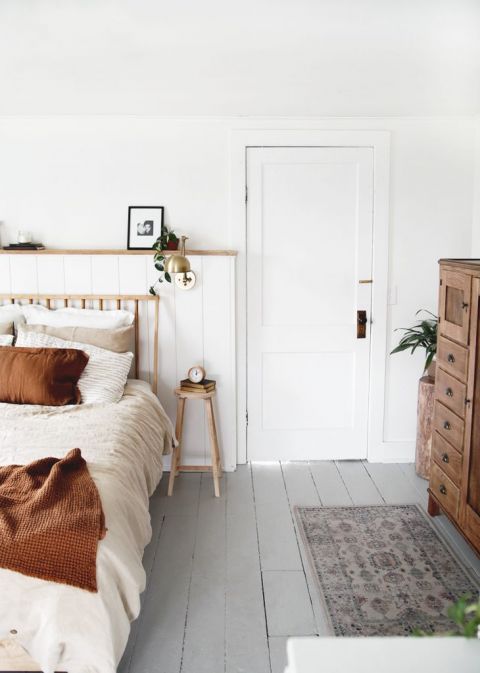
x: 144, y: 226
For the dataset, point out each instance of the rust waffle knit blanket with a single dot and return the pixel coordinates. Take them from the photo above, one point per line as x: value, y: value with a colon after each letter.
x: 51, y: 520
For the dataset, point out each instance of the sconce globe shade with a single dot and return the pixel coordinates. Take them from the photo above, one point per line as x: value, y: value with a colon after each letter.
x: 177, y: 264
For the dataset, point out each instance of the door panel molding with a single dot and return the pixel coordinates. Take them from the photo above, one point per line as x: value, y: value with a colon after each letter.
x: 379, y: 141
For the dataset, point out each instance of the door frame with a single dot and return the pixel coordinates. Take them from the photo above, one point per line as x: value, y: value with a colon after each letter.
x: 379, y: 141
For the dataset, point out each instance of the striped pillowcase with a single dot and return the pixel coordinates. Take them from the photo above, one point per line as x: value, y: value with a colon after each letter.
x: 104, y: 377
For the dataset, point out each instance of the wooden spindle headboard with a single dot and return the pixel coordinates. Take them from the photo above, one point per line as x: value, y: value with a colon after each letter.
x: 103, y: 302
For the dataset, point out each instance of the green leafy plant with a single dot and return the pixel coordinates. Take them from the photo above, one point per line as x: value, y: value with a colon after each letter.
x: 422, y: 335
x: 168, y: 240
x: 465, y: 615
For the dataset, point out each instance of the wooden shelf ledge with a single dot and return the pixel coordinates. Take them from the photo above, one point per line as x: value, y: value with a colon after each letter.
x: 53, y: 251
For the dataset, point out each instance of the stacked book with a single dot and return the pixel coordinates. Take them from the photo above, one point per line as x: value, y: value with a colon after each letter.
x: 24, y: 246
x: 205, y: 386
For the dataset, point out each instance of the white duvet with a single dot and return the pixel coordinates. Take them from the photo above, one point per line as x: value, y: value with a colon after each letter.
x: 65, y: 628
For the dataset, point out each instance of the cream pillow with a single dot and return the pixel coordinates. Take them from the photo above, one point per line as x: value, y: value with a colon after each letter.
x: 104, y: 377
x: 6, y: 327
x: 12, y: 313
x: 120, y: 340
x: 6, y: 339
x: 35, y: 314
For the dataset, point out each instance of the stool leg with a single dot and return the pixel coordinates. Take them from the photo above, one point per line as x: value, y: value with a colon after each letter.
x: 216, y: 464
x: 177, y: 451
x: 179, y: 428
x: 173, y: 470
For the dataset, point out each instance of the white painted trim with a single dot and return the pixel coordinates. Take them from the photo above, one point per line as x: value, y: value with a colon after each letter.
x: 240, y: 140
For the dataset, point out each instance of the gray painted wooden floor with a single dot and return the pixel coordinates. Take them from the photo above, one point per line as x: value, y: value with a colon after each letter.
x: 227, y: 583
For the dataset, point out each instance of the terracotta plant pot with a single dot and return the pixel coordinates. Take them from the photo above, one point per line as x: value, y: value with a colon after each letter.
x: 423, y: 448
x: 431, y: 370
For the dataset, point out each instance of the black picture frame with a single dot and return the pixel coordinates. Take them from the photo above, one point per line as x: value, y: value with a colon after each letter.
x: 140, y: 218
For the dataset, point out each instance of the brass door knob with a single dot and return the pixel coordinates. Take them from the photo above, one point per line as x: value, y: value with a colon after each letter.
x: 443, y: 489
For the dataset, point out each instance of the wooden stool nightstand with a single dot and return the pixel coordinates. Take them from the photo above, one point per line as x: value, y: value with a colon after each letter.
x: 216, y: 466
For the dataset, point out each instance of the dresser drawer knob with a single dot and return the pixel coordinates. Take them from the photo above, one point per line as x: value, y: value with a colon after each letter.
x: 447, y: 425
x: 449, y: 392
x: 464, y: 304
x: 451, y: 358
x: 443, y: 489
x: 445, y: 458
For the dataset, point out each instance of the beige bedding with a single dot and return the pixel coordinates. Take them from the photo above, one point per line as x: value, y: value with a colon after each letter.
x: 62, y: 627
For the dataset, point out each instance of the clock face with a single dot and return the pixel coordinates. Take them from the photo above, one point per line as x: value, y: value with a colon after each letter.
x: 196, y: 374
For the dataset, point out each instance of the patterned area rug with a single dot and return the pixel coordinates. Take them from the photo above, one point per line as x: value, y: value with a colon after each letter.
x: 383, y: 570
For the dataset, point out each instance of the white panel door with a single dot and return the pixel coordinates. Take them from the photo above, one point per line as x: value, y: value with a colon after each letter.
x: 309, y: 243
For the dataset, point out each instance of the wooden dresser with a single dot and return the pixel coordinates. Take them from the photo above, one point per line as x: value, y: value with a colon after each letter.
x: 455, y: 469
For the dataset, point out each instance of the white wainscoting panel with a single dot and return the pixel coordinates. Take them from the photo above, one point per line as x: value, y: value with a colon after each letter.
x: 195, y: 327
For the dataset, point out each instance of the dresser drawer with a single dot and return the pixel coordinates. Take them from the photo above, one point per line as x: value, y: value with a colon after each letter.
x: 449, y: 425
x: 445, y: 491
x: 450, y: 392
x: 452, y: 358
x: 447, y: 458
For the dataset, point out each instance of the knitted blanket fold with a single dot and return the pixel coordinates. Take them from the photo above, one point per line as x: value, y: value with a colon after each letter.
x: 51, y: 520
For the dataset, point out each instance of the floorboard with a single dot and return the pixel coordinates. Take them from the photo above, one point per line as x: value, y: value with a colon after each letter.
x: 287, y: 603
x: 204, y: 644
x: 330, y: 486
x: 245, y: 610
x: 276, y: 533
x: 278, y: 653
x: 228, y: 580
x: 358, y: 482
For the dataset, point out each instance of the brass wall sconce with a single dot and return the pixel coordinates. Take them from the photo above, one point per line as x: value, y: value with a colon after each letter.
x: 178, y: 266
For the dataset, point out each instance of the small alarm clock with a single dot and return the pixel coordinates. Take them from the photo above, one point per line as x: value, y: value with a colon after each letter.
x: 196, y: 374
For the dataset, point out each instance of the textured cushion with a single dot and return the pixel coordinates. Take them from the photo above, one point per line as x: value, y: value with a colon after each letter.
x: 44, y: 376
x: 120, y: 340
x: 6, y: 339
x: 12, y: 313
x: 104, y: 377
x: 6, y: 327
x: 35, y: 314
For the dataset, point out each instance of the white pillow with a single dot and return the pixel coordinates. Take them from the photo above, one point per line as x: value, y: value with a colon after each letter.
x: 6, y: 339
x: 104, y: 377
x: 12, y: 313
x: 35, y: 314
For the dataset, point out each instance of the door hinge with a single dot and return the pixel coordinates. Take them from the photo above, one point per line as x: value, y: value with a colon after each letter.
x: 246, y: 193
x: 246, y: 417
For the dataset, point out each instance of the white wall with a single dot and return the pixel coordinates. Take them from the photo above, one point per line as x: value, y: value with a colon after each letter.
x: 249, y: 57
x: 71, y: 179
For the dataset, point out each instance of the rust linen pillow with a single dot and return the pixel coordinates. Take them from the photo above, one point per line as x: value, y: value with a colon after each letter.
x: 46, y: 376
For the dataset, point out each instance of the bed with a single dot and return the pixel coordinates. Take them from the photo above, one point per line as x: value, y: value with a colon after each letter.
x: 64, y: 628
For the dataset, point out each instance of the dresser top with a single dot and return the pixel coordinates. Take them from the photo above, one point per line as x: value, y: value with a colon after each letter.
x: 465, y: 263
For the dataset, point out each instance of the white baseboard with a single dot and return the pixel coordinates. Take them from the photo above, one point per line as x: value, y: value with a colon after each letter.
x: 392, y: 452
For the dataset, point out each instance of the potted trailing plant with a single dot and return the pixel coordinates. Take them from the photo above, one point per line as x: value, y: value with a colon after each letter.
x: 423, y: 335
x: 168, y: 240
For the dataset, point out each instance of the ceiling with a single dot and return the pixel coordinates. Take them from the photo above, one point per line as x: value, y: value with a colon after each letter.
x: 250, y: 57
